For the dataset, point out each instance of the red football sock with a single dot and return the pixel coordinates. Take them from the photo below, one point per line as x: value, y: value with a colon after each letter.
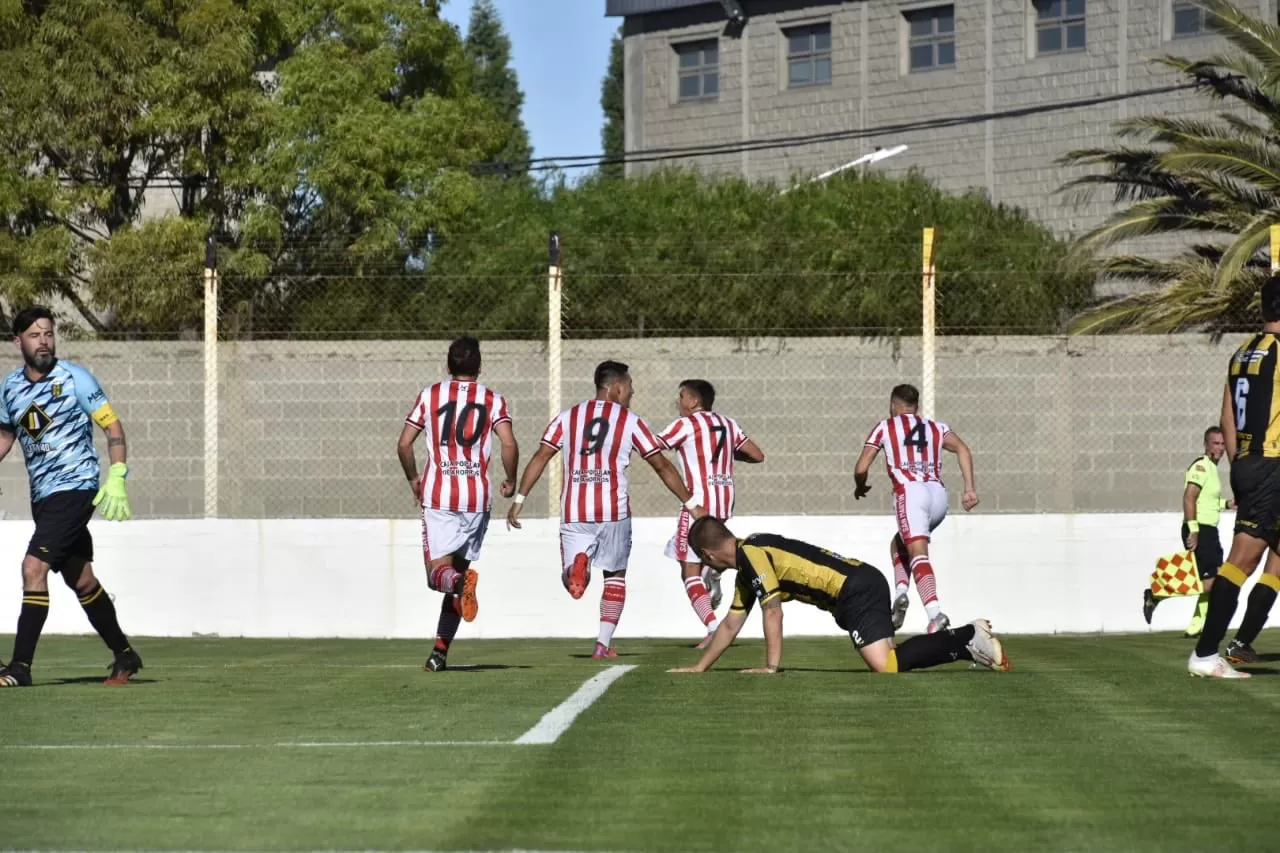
x: 611, y: 603
x: 696, y: 589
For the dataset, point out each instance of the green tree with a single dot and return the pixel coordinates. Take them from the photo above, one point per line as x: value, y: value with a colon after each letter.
x: 613, y: 135
x: 493, y: 78
x: 1214, y: 183
x: 105, y: 106
x: 674, y: 253
x: 322, y: 141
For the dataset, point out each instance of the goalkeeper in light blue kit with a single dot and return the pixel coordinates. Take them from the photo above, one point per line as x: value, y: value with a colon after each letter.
x: 50, y: 406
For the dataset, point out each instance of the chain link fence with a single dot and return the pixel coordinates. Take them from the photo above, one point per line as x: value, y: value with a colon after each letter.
x: 803, y: 339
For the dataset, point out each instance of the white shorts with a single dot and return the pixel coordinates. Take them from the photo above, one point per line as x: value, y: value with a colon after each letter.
x: 606, y: 543
x: 921, y: 507
x: 678, y: 546
x: 445, y: 533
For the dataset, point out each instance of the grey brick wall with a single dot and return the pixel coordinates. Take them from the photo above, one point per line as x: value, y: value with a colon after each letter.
x: 309, y: 429
x: 1012, y: 159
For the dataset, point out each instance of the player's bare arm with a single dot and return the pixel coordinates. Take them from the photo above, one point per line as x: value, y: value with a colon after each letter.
x: 964, y: 456
x: 117, y: 447
x: 1189, y: 496
x: 532, y: 472
x: 510, y: 457
x: 749, y: 452
x: 721, y: 640
x: 862, y: 470
x: 1228, y: 423
x: 404, y: 449
x: 771, y: 615
x: 671, y: 479
x: 7, y: 437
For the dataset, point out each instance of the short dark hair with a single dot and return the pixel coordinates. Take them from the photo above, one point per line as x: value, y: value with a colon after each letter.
x: 1211, y: 430
x: 464, y: 357
x: 908, y: 394
x: 609, y: 372
x: 707, y: 532
x: 705, y: 390
x: 27, y: 318
x: 1270, y: 298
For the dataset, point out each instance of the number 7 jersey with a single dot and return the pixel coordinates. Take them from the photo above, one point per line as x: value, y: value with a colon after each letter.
x: 705, y: 443
x: 458, y: 419
x: 595, y: 439
x: 912, y: 448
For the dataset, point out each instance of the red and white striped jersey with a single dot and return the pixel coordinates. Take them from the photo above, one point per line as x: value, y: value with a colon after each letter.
x: 912, y: 448
x: 596, y: 439
x: 458, y: 419
x: 705, y: 443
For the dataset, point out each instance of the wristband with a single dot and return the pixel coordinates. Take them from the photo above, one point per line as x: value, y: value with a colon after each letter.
x: 691, y: 504
x: 1225, y: 505
x: 519, y: 498
x: 1193, y: 526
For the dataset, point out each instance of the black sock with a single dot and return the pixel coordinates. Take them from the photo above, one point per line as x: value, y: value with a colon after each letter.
x: 35, y: 609
x: 447, y: 627
x: 1223, y: 599
x: 928, y: 650
x: 102, y: 616
x: 1258, y: 609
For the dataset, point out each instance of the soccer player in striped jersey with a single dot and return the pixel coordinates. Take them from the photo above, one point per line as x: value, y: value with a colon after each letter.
x: 773, y: 569
x: 460, y: 417
x: 49, y: 406
x: 596, y: 439
x: 706, y: 444
x: 913, y: 448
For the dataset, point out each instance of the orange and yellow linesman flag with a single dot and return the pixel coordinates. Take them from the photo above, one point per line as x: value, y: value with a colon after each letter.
x: 1176, y: 575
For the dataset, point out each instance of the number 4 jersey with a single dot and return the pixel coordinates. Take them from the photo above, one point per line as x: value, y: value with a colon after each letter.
x: 458, y: 418
x: 595, y: 440
x: 912, y: 448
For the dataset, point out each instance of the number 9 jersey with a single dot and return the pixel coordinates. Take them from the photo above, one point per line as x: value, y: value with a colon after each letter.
x: 1251, y: 384
x: 595, y: 439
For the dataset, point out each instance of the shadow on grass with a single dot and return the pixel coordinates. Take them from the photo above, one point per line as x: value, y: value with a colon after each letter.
x: 485, y: 667
x: 91, y: 679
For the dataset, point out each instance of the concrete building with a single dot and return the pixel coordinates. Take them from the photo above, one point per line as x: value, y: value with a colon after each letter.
x: 1020, y: 83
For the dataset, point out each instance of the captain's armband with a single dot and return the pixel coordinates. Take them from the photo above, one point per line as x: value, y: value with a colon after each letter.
x: 105, y: 416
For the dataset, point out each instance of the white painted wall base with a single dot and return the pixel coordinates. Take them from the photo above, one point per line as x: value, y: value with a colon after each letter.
x: 364, y: 578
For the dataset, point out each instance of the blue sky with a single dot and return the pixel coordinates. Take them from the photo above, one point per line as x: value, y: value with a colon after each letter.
x: 560, y: 51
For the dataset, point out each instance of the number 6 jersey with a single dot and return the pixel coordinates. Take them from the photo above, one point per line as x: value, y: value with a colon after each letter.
x: 458, y: 419
x: 912, y: 448
x: 595, y: 440
x: 1251, y: 382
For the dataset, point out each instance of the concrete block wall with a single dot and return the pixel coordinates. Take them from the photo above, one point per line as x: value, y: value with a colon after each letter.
x: 308, y: 429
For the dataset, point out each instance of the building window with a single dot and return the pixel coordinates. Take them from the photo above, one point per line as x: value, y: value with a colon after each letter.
x: 1059, y: 26
x: 1190, y: 20
x: 931, y: 38
x: 809, y: 55
x: 698, y: 70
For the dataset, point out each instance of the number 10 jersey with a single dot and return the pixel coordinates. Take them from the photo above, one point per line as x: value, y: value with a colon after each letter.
x: 595, y: 439
x: 458, y: 419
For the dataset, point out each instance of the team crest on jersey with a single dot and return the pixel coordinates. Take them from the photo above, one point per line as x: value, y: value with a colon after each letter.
x: 57, y: 389
x: 34, y: 421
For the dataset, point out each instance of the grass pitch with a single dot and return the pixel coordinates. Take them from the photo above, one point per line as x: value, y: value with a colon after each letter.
x: 1090, y: 744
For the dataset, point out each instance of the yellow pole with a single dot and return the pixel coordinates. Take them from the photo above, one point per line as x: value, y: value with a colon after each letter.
x: 1275, y: 248
x: 928, y: 346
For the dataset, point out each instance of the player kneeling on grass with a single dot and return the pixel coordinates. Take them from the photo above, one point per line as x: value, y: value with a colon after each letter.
x: 774, y: 569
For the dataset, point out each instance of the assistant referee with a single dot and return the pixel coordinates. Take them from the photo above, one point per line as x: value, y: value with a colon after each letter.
x: 1202, y: 503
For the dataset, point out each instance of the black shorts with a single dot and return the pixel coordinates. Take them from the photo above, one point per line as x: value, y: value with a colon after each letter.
x: 1208, y: 550
x: 863, y: 608
x: 62, y: 529
x: 1255, y: 483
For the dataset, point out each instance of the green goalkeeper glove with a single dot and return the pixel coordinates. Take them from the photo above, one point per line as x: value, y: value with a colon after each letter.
x: 112, y: 496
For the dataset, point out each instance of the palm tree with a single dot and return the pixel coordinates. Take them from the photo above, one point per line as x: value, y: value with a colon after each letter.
x: 1216, y: 181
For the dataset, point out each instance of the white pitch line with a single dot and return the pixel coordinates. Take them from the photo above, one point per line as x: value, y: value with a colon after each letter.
x: 557, y: 721
x: 548, y: 730
x: 317, y: 744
